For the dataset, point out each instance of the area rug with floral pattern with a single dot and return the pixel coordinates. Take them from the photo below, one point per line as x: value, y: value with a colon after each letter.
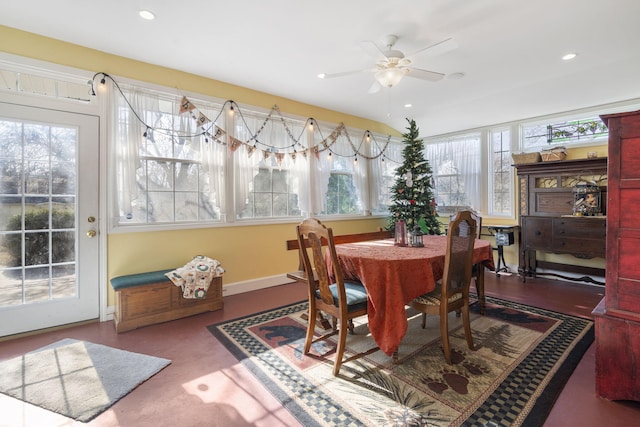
x: 523, y: 357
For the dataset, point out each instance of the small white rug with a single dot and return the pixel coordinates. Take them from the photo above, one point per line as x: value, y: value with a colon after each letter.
x: 77, y: 379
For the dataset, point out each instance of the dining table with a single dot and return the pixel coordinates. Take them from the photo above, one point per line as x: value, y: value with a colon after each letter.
x: 395, y: 275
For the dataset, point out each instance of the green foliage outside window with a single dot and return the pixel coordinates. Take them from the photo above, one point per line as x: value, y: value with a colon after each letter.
x: 341, y: 195
x: 37, y: 229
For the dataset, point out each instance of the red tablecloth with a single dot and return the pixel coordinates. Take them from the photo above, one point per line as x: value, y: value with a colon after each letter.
x: 394, y: 275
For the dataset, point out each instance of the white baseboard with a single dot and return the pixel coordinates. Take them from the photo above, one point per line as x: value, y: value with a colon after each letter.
x: 255, y: 284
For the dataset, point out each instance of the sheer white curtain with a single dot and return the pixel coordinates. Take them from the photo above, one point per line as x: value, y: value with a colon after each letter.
x: 153, y: 144
x: 360, y: 168
x: 275, y: 141
x: 127, y: 136
x: 382, y: 172
x: 247, y: 158
x: 458, y: 161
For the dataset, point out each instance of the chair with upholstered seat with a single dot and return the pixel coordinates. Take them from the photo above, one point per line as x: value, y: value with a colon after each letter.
x: 343, y: 300
x: 477, y: 269
x: 452, y: 292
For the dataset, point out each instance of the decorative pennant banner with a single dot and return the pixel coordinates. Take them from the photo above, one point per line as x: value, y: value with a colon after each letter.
x: 250, y: 150
x: 293, y: 156
x: 279, y: 158
x: 202, y: 119
x: 219, y: 131
x: 266, y: 154
x: 186, y: 105
x: 235, y: 143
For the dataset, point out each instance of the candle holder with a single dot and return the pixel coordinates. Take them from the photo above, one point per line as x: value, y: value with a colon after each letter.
x: 415, y: 238
x: 400, y: 233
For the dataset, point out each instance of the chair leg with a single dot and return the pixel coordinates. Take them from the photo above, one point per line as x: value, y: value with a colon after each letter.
x: 351, y: 327
x: 342, y: 340
x: 479, y: 279
x: 444, y: 331
x: 311, y: 327
x: 424, y: 320
x: 467, y: 326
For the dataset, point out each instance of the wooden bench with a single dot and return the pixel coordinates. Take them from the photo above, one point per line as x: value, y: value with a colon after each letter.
x: 300, y: 276
x: 149, y: 298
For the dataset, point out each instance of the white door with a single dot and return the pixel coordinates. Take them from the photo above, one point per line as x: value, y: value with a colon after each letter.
x: 48, y: 218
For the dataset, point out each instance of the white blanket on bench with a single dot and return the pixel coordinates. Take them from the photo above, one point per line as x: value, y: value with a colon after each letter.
x: 195, y: 277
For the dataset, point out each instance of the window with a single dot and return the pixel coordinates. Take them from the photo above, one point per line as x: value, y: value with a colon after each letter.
x: 268, y: 180
x: 341, y: 178
x: 168, y: 170
x: 386, y: 156
x: 179, y: 162
x: 501, y: 173
x: 456, y: 171
x: 587, y: 130
x: 58, y: 87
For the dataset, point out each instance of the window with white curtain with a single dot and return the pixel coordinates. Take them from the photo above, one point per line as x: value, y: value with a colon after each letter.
x: 456, y: 165
x: 167, y: 168
x: 388, y: 157
x: 341, y: 178
x: 270, y: 179
x: 500, y: 173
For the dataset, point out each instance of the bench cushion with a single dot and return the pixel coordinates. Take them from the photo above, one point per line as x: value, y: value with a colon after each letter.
x: 131, y: 280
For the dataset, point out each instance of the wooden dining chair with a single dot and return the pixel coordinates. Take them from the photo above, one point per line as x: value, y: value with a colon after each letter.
x: 343, y: 300
x: 478, y: 269
x: 452, y: 292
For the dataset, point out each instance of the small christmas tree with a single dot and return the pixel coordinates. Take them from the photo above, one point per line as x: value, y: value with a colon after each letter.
x: 412, y: 193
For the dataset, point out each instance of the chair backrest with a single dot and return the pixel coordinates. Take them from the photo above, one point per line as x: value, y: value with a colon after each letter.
x: 459, y: 257
x: 476, y: 217
x: 314, y: 238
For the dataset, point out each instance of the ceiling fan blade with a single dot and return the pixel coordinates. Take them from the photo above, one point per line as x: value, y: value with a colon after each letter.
x: 438, y: 48
x: 344, y: 73
x: 374, y: 88
x: 371, y: 48
x: 418, y: 73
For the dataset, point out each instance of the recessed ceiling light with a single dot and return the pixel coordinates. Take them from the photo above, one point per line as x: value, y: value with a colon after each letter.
x: 569, y: 56
x: 146, y: 14
x: 322, y: 75
x: 408, y: 105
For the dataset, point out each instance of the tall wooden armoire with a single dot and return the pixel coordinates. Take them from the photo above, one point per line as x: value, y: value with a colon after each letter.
x: 617, y: 317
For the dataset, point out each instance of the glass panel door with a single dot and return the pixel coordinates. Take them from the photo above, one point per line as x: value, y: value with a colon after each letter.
x: 48, y: 194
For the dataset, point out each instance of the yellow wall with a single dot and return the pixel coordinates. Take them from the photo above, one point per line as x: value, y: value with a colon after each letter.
x: 246, y: 252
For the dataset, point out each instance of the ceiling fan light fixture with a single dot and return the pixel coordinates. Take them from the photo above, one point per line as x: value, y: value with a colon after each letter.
x: 390, y: 77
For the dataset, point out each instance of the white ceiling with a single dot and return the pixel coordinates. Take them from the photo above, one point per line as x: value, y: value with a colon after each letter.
x: 509, y: 50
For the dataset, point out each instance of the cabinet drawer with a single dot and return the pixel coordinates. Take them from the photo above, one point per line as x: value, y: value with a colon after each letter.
x: 580, y: 247
x: 586, y: 228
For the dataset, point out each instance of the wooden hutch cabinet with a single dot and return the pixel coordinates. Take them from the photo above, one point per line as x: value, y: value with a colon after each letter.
x: 547, y: 223
x: 617, y: 317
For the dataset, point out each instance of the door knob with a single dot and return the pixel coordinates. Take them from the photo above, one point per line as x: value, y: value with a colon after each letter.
x: 91, y: 219
x: 91, y: 233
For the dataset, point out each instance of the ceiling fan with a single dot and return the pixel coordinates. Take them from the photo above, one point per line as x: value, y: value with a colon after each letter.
x: 394, y: 64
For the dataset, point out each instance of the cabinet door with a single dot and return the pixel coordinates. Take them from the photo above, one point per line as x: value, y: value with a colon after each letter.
x: 537, y: 232
x: 623, y: 232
